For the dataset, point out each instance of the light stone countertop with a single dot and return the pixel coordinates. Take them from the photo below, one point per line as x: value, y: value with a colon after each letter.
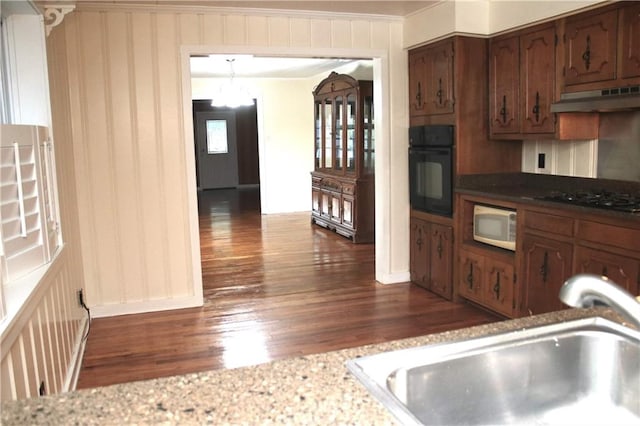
x: 313, y: 389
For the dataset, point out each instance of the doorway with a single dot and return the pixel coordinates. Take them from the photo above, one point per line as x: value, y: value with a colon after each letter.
x: 216, y: 149
x: 242, y: 137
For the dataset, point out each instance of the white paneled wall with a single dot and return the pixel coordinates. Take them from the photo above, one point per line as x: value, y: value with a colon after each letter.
x: 132, y: 136
x: 43, y: 343
x: 567, y: 158
x: 44, y: 346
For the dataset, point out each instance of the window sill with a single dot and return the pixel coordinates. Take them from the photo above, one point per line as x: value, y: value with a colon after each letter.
x: 18, y: 293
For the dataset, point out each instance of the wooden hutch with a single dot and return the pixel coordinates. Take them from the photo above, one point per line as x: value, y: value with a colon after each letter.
x: 342, y: 183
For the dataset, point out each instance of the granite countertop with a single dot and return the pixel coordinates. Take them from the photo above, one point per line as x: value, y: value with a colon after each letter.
x: 313, y: 389
x: 528, y: 188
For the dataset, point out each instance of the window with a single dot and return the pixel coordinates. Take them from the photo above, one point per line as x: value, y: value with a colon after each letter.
x: 29, y: 229
x: 217, y: 137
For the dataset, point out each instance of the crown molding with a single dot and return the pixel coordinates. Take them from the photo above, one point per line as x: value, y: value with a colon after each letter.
x: 198, y: 9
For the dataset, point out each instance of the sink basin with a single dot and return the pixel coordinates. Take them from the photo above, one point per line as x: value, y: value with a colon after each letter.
x: 578, y: 372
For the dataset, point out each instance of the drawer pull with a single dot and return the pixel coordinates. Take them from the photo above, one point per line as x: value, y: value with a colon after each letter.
x: 544, y: 268
x: 496, y: 286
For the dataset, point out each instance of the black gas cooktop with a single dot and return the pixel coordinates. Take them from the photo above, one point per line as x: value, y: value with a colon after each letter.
x: 600, y: 199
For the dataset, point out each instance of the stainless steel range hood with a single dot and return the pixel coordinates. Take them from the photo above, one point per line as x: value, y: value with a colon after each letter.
x: 606, y: 100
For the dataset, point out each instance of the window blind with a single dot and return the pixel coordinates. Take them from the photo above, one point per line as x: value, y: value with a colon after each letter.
x: 23, y: 245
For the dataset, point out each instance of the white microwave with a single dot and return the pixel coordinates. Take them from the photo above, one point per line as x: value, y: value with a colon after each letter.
x: 495, y: 226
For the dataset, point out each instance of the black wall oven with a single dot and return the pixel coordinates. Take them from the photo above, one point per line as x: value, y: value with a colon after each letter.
x: 431, y: 169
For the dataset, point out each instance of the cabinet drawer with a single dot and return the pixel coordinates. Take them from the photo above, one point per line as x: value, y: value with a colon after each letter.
x: 549, y: 223
x: 627, y: 238
x: 348, y: 189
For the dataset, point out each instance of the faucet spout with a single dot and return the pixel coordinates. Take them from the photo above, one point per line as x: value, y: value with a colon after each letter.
x: 582, y: 290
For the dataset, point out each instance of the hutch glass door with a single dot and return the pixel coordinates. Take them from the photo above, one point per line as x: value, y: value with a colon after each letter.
x: 339, y: 116
x: 328, y: 131
x: 351, y: 132
x: 369, y: 146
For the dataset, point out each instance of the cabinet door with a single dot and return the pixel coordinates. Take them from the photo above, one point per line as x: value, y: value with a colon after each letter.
x: 317, y: 131
x: 325, y: 205
x: 419, y: 252
x: 590, y: 48
x: 622, y: 270
x: 537, y: 68
x: 504, y: 86
x: 336, y: 211
x: 499, y: 286
x: 547, y: 267
x: 417, y: 85
x: 316, y: 197
x: 630, y: 61
x: 441, y: 249
x: 348, y: 209
x: 470, y: 275
x: 440, y: 97
x: 327, y: 133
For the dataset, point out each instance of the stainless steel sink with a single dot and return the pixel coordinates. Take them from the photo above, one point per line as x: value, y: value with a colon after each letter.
x: 578, y: 372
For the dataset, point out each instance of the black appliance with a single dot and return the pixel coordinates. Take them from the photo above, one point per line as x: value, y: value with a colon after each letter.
x: 600, y: 199
x: 431, y: 169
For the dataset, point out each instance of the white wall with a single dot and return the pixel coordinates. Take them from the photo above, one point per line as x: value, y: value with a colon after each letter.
x: 285, y: 130
x: 482, y: 17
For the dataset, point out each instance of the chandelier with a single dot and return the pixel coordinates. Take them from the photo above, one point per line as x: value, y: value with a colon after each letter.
x: 231, y: 94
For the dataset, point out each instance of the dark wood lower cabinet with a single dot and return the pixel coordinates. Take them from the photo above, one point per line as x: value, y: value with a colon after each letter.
x: 431, y: 254
x: 440, y: 260
x: 486, y: 280
x: 547, y: 265
x: 622, y: 270
x: 344, y: 205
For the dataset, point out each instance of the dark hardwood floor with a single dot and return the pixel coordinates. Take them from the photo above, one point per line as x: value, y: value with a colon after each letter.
x: 275, y: 287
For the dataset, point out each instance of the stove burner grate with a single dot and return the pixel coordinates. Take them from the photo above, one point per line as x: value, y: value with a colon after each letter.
x: 598, y: 199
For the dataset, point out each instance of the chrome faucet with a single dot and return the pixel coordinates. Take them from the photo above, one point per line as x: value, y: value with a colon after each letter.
x: 582, y: 290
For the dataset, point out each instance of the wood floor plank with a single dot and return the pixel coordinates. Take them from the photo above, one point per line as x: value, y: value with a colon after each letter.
x: 275, y: 286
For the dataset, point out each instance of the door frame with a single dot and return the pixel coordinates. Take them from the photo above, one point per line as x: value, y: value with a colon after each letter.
x: 384, y: 227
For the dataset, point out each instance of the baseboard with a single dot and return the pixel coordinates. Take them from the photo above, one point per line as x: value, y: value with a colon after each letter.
x: 71, y: 379
x: 394, y: 278
x: 146, y: 306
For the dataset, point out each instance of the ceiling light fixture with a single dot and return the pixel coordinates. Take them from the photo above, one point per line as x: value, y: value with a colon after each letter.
x: 231, y: 94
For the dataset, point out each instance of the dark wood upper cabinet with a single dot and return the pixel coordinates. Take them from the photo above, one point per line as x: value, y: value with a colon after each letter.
x: 602, y: 48
x: 630, y: 56
x: 440, y: 96
x: 417, y: 83
x: 590, y: 47
x: 522, y: 83
x: 537, y: 73
x: 431, y: 79
x: 504, y: 85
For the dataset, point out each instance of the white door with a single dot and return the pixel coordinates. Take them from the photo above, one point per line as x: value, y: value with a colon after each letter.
x: 217, y: 151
